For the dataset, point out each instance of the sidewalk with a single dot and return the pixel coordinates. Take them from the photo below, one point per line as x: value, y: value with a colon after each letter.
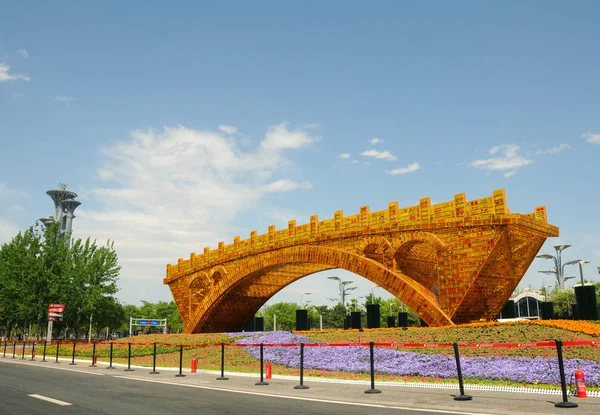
x: 483, y: 402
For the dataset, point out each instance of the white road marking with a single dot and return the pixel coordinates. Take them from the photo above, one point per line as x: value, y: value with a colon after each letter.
x: 369, y: 405
x: 45, y: 398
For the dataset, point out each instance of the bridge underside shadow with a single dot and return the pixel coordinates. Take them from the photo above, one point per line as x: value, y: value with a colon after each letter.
x: 243, y: 300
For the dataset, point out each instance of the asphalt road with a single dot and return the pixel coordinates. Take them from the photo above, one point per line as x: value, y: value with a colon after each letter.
x: 89, y: 394
x: 35, y: 387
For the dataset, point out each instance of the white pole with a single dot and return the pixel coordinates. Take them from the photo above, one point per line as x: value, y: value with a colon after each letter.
x: 49, y: 333
x: 321, y: 321
x: 274, y: 322
x: 130, y: 326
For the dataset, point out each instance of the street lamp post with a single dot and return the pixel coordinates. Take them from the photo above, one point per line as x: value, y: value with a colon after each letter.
x: 372, y: 297
x: 559, y: 267
x: 342, y: 287
x: 356, y: 303
x: 302, y: 295
x: 580, y: 262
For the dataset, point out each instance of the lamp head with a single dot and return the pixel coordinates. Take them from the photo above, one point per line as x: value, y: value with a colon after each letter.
x: 577, y: 261
x: 560, y: 248
x: 548, y: 272
x: 545, y: 256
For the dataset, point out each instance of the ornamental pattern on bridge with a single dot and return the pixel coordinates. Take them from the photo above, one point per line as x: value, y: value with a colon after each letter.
x: 452, y: 263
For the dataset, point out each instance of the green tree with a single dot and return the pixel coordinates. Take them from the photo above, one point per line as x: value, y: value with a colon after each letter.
x: 334, y: 317
x: 562, y: 300
x: 38, y: 268
x: 286, y: 316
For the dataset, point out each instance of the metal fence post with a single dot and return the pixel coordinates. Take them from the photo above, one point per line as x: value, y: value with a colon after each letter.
x: 262, y: 382
x: 301, y: 385
x: 372, y: 361
x: 222, y: 377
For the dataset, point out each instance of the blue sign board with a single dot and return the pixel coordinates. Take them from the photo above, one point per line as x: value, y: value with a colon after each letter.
x: 148, y: 322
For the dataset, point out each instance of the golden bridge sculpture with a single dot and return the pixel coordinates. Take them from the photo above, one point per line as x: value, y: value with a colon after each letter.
x: 452, y: 263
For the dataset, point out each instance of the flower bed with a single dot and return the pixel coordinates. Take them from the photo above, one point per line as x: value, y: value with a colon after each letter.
x: 404, y: 363
x: 499, y: 366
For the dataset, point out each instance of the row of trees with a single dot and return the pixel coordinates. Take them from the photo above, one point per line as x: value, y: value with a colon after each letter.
x: 38, y: 268
x: 284, y: 314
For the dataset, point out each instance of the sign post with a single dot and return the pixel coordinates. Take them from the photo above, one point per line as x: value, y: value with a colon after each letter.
x: 55, y: 313
x: 147, y: 322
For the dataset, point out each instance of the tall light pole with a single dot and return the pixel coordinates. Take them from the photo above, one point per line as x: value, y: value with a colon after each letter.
x: 373, y: 298
x: 356, y: 302
x: 580, y: 262
x: 302, y: 295
x: 342, y: 287
x: 559, y: 267
x: 545, y: 289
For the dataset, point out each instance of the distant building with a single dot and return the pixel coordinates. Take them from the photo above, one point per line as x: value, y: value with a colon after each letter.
x: 64, y: 209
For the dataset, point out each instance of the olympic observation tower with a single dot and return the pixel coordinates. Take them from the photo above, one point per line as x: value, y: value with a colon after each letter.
x: 64, y: 208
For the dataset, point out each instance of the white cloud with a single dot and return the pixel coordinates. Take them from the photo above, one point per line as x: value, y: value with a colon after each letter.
x: 384, y: 155
x: 510, y: 173
x: 411, y: 168
x: 285, y: 185
x: 7, y: 231
x: 23, y: 53
x: 507, y: 159
x: 354, y: 162
x: 593, y: 138
x: 345, y: 155
x: 64, y: 99
x: 553, y: 150
x: 167, y: 193
x: 375, y: 140
x: 278, y: 137
x: 17, y: 95
x: 228, y: 129
x: 9, y: 192
x: 6, y: 76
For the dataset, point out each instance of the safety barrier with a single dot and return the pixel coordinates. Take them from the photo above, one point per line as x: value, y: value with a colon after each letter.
x: 558, y: 344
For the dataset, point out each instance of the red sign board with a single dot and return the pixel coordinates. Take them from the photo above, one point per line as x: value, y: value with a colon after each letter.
x: 56, y: 308
x: 55, y: 318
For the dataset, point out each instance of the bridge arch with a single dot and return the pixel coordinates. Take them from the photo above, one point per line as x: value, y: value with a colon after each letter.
x: 201, y: 284
x: 376, y: 248
x: 417, y: 255
x: 218, y: 273
x: 249, y: 287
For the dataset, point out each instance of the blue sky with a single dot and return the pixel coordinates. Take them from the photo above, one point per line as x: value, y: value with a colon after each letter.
x: 187, y: 123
